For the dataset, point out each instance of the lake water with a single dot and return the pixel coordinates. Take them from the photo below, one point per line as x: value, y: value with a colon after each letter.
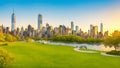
x: 99, y: 47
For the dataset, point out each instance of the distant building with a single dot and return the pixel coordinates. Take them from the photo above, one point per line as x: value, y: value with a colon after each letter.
x: 47, y: 25
x: 100, y: 35
x: 88, y: 32
x: 68, y: 31
x: 49, y: 31
x: 21, y: 32
x: 95, y: 30
x: 77, y: 29
x: 56, y: 31
x: 91, y: 28
x: 91, y: 34
x: 39, y: 22
x: 43, y: 31
x: 105, y: 34
x: 13, y: 22
x: 29, y: 28
x: 18, y: 32
x: 7, y: 30
x: 72, y: 25
x: 101, y: 28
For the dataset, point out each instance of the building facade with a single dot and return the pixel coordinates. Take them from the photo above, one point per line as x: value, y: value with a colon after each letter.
x: 13, y: 22
x: 39, y: 22
x: 101, y: 28
x: 72, y: 25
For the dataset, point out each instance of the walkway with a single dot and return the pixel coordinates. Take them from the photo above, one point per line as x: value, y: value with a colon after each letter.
x: 102, y: 53
x: 78, y: 50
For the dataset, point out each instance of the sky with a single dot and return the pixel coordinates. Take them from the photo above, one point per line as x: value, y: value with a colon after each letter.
x: 62, y: 12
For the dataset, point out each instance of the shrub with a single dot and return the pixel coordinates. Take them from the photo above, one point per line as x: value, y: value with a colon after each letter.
x: 18, y: 38
x: 10, y: 38
x: 2, y: 38
x: 36, y: 38
x: 73, y: 38
x: 5, y: 58
x: 114, y: 52
x: 28, y: 39
x: 7, y: 37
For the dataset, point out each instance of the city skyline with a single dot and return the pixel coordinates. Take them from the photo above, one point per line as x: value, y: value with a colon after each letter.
x: 82, y: 13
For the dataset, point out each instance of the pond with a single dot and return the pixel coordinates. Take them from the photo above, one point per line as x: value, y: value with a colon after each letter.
x: 100, y: 47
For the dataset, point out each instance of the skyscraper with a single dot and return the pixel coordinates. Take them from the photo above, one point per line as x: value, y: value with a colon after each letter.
x: 77, y: 29
x: 101, y: 28
x: 13, y: 21
x: 91, y: 28
x: 39, y: 22
x: 72, y: 25
x: 95, y: 30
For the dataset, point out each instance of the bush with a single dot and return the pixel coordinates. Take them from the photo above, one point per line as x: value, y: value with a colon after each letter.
x: 5, y: 58
x: 18, y: 38
x: 36, y: 38
x: 10, y: 38
x: 2, y: 38
x: 28, y: 39
x: 114, y: 52
x: 73, y: 38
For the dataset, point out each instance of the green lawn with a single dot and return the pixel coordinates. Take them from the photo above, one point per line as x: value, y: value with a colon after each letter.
x: 36, y: 55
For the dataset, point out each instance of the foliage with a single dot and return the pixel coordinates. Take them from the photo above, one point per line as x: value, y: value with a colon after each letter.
x: 114, y: 52
x: 10, y: 38
x: 28, y: 39
x: 5, y: 58
x: 39, y: 38
x: 73, y: 38
x: 36, y: 38
x: 18, y: 38
x: 113, y: 40
x: 2, y: 38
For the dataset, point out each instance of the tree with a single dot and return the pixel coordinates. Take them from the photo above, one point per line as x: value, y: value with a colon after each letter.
x: 2, y: 38
x: 10, y: 38
x: 113, y: 40
x: 5, y: 58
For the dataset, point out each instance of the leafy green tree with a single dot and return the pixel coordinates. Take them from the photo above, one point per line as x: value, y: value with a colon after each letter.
x: 18, y: 38
x: 10, y: 38
x: 28, y: 39
x: 2, y: 38
x: 113, y: 40
x: 5, y: 58
x: 73, y: 38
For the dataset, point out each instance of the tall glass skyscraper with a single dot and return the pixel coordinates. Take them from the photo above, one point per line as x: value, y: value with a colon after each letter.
x: 39, y: 22
x: 91, y: 28
x: 72, y: 25
x: 13, y: 21
x: 77, y: 29
x: 101, y: 28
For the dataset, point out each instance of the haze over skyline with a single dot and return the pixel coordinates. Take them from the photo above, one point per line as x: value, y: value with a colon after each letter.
x: 62, y: 12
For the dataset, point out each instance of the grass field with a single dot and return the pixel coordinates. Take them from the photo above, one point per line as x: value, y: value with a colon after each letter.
x: 36, y: 55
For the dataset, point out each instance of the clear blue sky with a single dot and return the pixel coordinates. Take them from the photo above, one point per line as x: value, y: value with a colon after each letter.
x: 56, y: 12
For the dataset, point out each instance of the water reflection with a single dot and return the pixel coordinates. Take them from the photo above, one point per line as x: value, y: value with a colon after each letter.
x: 100, y: 47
